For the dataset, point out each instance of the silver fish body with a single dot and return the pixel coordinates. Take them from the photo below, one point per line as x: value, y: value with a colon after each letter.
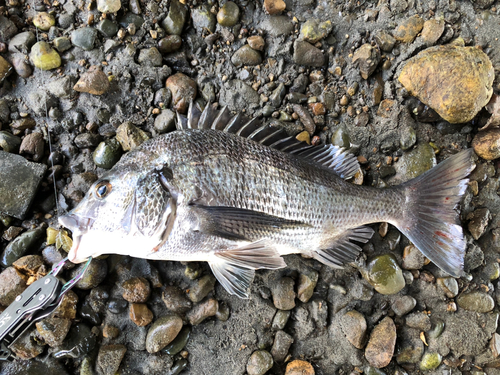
x: 239, y: 204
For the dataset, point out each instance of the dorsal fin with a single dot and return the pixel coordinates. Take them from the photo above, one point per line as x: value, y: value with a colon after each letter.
x: 337, y: 159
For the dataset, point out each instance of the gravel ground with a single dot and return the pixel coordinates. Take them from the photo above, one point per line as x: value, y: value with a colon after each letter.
x: 101, y: 78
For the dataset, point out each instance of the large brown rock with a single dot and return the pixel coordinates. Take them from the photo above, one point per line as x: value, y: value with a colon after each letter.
x: 380, y: 347
x: 183, y: 91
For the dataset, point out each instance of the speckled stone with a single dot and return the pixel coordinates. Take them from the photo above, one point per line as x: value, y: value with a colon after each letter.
x: 110, y: 358
x: 162, y: 332
x: 353, y: 325
x: 44, y: 21
x: 283, y: 294
x: 380, y: 347
x: 130, y: 136
x: 136, y: 290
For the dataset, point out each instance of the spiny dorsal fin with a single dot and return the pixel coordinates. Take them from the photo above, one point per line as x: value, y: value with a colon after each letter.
x: 338, y: 160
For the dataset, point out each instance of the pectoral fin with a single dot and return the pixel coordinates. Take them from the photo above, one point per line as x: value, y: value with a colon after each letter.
x: 235, y: 268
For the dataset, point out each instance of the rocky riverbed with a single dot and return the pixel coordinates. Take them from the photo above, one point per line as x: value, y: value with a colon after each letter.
x: 404, y: 84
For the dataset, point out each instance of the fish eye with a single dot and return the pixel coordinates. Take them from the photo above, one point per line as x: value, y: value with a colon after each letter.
x: 102, y: 189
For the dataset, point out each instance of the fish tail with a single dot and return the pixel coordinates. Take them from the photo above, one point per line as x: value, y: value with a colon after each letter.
x: 430, y: 220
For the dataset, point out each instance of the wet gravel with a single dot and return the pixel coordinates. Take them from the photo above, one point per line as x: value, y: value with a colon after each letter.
x: 101, y: 78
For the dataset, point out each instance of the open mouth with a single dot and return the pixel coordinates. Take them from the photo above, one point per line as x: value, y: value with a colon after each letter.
x: 78, y: 226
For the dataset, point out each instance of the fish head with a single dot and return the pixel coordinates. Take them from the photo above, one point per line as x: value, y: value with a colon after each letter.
x: 123, y: 212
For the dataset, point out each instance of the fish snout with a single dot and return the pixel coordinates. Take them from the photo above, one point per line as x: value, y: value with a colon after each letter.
x: 74, y: 223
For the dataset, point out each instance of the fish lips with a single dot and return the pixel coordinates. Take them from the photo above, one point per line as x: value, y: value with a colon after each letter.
x: 78, y: 226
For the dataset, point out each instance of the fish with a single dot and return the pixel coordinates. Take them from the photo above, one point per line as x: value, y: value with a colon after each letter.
x: 239, y: 195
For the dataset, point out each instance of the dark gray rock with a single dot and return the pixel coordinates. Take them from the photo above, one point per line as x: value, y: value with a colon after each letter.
x: 237, y: 95
x: 22, y: 42
x: 176, y: 17
x: 84, y: 38
x: 277, y: 26
x: 306, y: 54
x: 7, y: 29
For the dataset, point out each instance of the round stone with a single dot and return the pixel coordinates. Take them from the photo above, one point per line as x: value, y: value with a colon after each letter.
x: 476, y: 301
x: 380, y: 347
x: 385, y: 275
x: 108, y: 6
x: 44, y: 21
x: 246, y: 55
x: 299, y: 367
x: 353, y: 325
x: 228, y: 15
x: 430, y: 361
x: 107, y: 153
x: 95, y: 274
x: 487, y: 144
x: 170, y: 43
x: 94, y: 81
x: 84, y: 38
x: 162, y: 332
x: 136, y: 290
x: 259, y: 362
x: 44, y: 57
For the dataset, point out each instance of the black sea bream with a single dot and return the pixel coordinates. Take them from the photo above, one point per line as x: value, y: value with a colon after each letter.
x: 239, y: 196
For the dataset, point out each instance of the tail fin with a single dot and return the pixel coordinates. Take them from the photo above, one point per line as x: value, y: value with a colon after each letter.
x: 430, y: 220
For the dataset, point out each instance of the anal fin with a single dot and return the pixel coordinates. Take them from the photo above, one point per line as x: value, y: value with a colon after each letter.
x: 235, y: 268
x: 341, y: 249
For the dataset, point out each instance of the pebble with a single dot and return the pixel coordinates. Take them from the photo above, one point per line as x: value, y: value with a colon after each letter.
x: 413, y: 259
x: 436, y: 330
x: 403, y: 305
x: 117, y: 305
x: 95, y: 274
x: 384, y: 40
x: 178, y: 366
x: 44, y: 21
x: 283, y: 294
x: 22, y: 42
x: 7, y: 29
x: 87, y: 140
x: 84, y: 38
x: 408, y: 29
x: 385, y: 275
x: 12, y: 283
x: 340, y: 137
x: 21, y: 66
x: 135, y: 6
x: 281, y: 344
x: 179, y: 342
x: 408, y: 138
x: 299, y: 367
x: 246, y: 55
x: 259, y: 362
x: 110, y: 331
x: 53, y: 330
x: 44, y: 57
x: 380, y: 347
x: 432, y: 31
x: 140, y: 314
x: 162, y: 332
x: 130, y: 136
x: 306, y: 54
x: 66, y: 20
x: 183, y: 90
x: 305, y: 118
x: 109, y: 358
x: 9, y: 143
x: 486, y: 144
x: 150, y: 57
x: 67, y: 308
x: 415, y: 162
x: 430, y: 361
x: 176, y: 17
x: 130, y: 21
x: 170, y: 43
x: 313, y: 30
x: 256, y: 42
x: 94, y: 81
x: 203, y: 19
x: 306, y: 284
x: 33, y: 144
x: 476, y: 301
x: 165, y: 121
x: 136, y: 290
x: 228, y: 14
x: 21, y: 245
x: 478, y: 223
x: 353, y: 325
x: 202, y: 310
x: 274, y: 7
x: 107, y: 153
x: 277, y: 95
x: 367, y: 57
x: 175, y: 300
x: 107, y: 27
x: 419, y: 320
x: 201, y: 288
x: 26, y: 347
x: 108, y: 6
x: 280, y: 319
x: 461, y: 67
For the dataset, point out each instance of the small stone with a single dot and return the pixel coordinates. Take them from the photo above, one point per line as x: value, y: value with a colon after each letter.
x: 165, y: 121
x: 107, y: 27
x: 340, y: 137
x: 44, y: 57
x: 7, y: 29
x: 21, y: 245
x: 259, y: 362
x: 94, y: 82
x: 26, y: 347
x: 84, y: 38
x: 408, y: 29
x: 53, y: 330
x: 33, y: 144
x: 353, y: 325
x: 183, y: 90
x: 432, y: 31
x: 87, y: 140
x: 109, y: 358
x: 419, y: 320
x: 223, y: 312
x: 136, y: 290
x: 203, y: 19
x: 385, y: 275
x: 65, y: 20
x: 384, y: 40
x: 12, y: 283
x: 283, y: 294
x: 150, y: 57
x: 449, y: 286
x: 135, y: 6
x: 408, y: 138
x: 108, y: 6
x: 200, y: 290
x: 299, y: 367
x: 462, y: 67
x: 246, y: 55
x: 430, y: 361
x: 305, y: 287
x: 305, y: 118
x: 478, y: 223
x: 176, y: 17
x: 413, y: 259
x: 131, y: 22
x: 306, y: 54
x: 179, y: 342
x: 9, y: 143
x: 30, y: 265
x: 281, y: 344
x: 228, y: 15
x: 67, y: 308
x: 380, y: 347
x: 22, y: 42
x: 256, y: 42
x: 107, y: 153
x: 367, y: 58
x: 476, y: 301
x: 110, y: 331
x: 21, y: 66
x: 175, y: 300
x: 280, y: 319
x: 403, y: 305
x: 486, y: 144
x: 44, y: 21
x: 202, y: 310
x: 170, y: 43
x: 140, y: 314
x: 95, y: 274
x: 274, y: 7
x: 162, y: 332
x: 415, y: 162
x: 130, y: 136
x: 313, y: 31
x: 117, y: 305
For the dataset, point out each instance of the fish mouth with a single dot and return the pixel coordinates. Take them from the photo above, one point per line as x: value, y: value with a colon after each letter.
x: 78, y: 226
